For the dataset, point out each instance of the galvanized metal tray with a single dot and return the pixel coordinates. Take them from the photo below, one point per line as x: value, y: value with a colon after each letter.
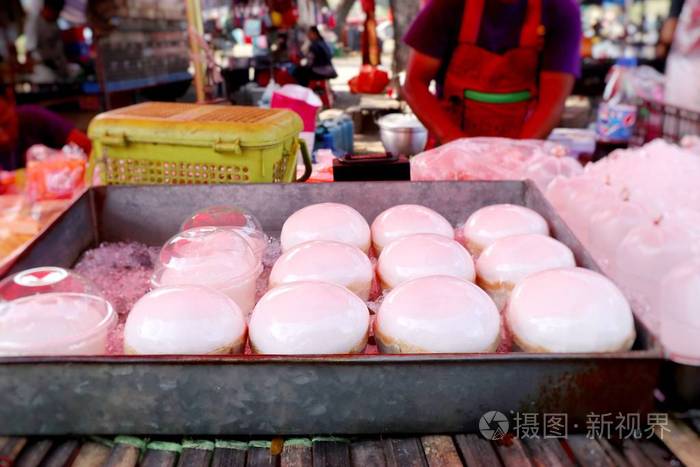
x: 267, y: 395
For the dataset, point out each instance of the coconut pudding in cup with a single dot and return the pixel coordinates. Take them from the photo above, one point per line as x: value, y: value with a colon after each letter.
x: 215, y: 257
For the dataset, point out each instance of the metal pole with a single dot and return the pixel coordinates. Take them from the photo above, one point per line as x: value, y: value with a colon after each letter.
x: 196, y: 30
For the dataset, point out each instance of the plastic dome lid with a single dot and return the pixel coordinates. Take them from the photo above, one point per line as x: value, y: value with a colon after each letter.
x: 222, y: 216
x: 211, y: 256
x: 43, y: 280
x: 233, y: 217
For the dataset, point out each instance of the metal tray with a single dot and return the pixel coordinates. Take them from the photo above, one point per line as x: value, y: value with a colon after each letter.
x: 680, y: 385
x: 267, y: 395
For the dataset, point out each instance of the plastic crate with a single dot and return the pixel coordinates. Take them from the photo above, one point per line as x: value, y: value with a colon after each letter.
x: 173, y: 143
x: 660, y: 120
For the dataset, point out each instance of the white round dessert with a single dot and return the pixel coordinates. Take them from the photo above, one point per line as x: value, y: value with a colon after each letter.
x: 569, y: 310
x: 326, y: 221
x: 506, y: 262
x: 492, y: 223
x: 407, y: 219
x: 325, y: 261
x: 437, y: 314
x: 185, y: 320
x: 423, y: 255
x: 307, y: 318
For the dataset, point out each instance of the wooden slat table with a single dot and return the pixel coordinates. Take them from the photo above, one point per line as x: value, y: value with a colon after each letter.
x: 426, y: 451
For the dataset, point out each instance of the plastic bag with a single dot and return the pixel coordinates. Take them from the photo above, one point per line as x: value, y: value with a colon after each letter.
x: 682, y: 91
x: 647, y: 83
x: 266, y: 98
x: 53, y: 174
x: 676, y: 305
x: 543, y: 169
x: 626, y: 83
x: 301, y: 100
x: 638, y: 212
x: 691, y: 143
x: 493, y: 159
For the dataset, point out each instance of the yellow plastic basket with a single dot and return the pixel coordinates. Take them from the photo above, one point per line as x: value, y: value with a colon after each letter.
x: 173, y: 143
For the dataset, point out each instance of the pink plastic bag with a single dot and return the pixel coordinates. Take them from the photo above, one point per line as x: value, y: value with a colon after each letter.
x: 494, y: 159
x: 301, y: 100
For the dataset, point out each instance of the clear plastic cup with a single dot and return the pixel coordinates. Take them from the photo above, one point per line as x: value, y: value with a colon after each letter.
x: 246, y: 224
x: 47, y: 279
x: 215, y: 257
x: 56, y: 323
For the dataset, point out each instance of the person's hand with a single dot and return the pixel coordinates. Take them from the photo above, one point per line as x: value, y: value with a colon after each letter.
x: 434, y: 115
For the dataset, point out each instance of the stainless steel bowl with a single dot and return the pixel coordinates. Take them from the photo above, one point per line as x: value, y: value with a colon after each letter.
x: 402, y: 134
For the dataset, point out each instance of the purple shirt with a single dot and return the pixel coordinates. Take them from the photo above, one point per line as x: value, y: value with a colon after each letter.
x: 435, y: 31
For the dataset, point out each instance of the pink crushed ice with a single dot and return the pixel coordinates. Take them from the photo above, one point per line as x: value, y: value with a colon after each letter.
x: 272, y: 252
x: 371, y: 348
x: 506, y: 344
x: 262, y: 283
x: 115, y: 338
x: 375, y: 292
x: 121, y: 271
x: 375, y: 304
